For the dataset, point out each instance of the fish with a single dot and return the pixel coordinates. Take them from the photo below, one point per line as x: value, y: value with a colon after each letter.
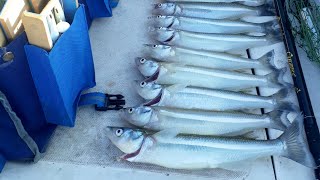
x: 203, y: 122
x: 244, y: 2
x: 213, y: 10
x: 182, y: 97
x: 212, y: 42
x: 208, y: 59
x: 200, y: 25
x: 169, y: 74
x: 169, y: 149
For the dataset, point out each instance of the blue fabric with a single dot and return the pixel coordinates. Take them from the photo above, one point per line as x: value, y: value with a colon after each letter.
x: 98, y: 8
x: 44, y: 88
x: 95, y: 98
x: 69, y: 7
x: 61, y: 75
x: 2, y: 161
x: 19, y: 88
x: 114, y: 3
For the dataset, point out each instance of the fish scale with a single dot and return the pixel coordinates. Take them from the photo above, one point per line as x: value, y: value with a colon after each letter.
x: 202, y: 122
x: 195, y: 98
x: 168, y: 149
x: 245, y: 2
x: 212, y: 42
x: 207, y: 59
x: 212, y: 26
x: 210, y: 10
x: 207, y: 78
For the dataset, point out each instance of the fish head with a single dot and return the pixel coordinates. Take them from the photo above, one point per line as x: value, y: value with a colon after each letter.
x: 164, y: 8
x: 163, y: 21
x: 147, y: 67
x: 148, y: 90
x: 138, y: 116
x: 160, y: 52
x: 162, y: 34
x: 126, y: 139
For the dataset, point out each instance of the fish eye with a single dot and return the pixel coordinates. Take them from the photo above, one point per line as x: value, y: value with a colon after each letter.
x: 142, y: 60
x: 159, y: 5
x: 155, y: 46
x: 130, y: 110
x: 119, y: 132
x: 159, y: 16
x: 143, y: 84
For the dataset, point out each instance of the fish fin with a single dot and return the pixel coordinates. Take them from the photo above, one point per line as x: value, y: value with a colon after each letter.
x: 279, y: 120
x: 243, y: 166
x: 165, y: 134
x: 247, y: 91
x: 268, y: 9
x: 176, y: 88
x: 281, y: 102
x: 276, y: 79
x: 267, y: 60
x: 240, y: 71
x: 253, y: 3
x: 271, y: 26
x: 295, y: 145
x: 250, y: 135
x: 274, y: 36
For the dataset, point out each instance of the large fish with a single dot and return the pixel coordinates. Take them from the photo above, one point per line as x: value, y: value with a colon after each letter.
x: 208, y: 59
x: 212, y: 42
x: 180, y: 96
x: 213, y: 10
x: 167, y: 149
x: 244, y: 2
x: 214, y: 26
x: 168, y: 74
x: 203, y: 122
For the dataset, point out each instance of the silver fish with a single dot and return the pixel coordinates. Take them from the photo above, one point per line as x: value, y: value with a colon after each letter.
x: 244, y: 2
x: 213, y: 10
x: 214, y: 26
x: 180, y: 96
x: 169, y: 74
x: 167, y: 149
x: 212, y: 42
x: 202, y: 122
x: 208, y: 59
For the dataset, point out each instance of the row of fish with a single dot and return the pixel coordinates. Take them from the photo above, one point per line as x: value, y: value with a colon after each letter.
x: 196, y: 91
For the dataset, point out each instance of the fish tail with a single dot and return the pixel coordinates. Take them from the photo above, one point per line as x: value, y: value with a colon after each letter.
x: 281, y: 100
x: 295, y: 144
x: 268, y: 9
x: 267, y: 61
x: 276, y: 78
x: 271, y: 26
x: 279, y: 120
x: 253, y: 3
x: 273, y: 36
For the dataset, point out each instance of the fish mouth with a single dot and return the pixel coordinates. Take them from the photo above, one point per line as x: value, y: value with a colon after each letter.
x: 153, y: 77
x: 154, y: 101
x: 169, y: 39
x: 131, y: 155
